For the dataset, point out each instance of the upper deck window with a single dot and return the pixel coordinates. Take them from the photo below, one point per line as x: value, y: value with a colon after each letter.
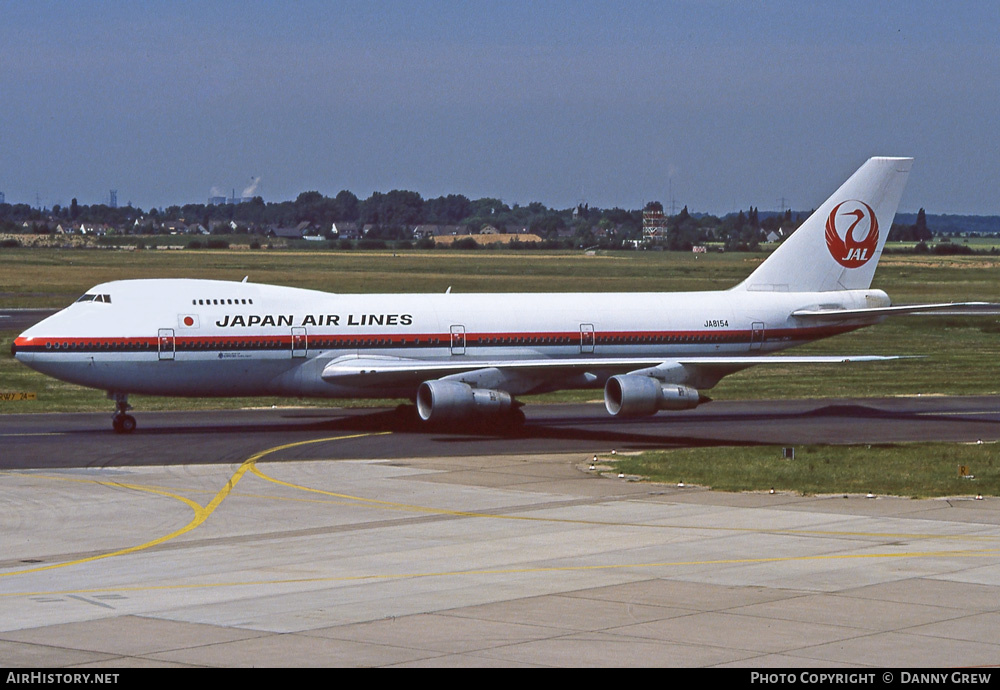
x: 209, y: 302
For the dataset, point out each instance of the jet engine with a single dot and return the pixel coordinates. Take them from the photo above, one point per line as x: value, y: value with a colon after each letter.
x: 631, y: 395
x: 446, y: 401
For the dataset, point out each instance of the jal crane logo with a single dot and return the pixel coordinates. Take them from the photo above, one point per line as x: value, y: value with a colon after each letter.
x: 847, y: 222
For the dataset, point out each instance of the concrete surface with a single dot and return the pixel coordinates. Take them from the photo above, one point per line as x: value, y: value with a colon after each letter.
x: 504, y: 560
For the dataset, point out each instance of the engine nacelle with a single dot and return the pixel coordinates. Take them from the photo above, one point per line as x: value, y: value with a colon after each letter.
x: 447, y: 401
x: 631, y: 395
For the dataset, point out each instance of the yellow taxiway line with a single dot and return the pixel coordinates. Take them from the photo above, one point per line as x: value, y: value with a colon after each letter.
x: 201, y: 513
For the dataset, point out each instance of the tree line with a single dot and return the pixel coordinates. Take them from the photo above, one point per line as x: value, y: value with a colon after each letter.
x: 392, y: 216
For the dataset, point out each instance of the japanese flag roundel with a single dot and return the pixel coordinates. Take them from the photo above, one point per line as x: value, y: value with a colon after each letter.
x: 852, y: 233
x: 187, y: 321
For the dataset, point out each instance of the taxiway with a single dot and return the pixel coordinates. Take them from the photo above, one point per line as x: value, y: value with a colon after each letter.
x: 166, y: 438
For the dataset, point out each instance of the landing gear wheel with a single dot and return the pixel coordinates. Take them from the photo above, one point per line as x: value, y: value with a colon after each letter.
x: 512, y: 422
x: 406, y: 416
x: 123, y: 423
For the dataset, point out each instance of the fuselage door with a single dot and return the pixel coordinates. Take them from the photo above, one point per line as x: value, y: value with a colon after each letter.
x: 165, y: 343
x: 586, y: 338
x: 300, y: 341
x: 756, y: 336
x: 458, y: 340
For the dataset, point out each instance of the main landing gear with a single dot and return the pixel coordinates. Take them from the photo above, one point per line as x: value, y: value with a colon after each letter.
x: 122, y: 422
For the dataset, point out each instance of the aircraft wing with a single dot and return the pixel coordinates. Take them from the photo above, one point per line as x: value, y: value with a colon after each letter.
x: 397, y: 371
x: 950, y: 308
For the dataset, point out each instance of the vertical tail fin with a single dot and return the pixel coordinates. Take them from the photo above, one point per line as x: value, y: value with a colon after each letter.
x: 839, y: 245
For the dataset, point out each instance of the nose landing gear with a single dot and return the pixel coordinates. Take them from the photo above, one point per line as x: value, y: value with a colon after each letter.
x: 122, y: 422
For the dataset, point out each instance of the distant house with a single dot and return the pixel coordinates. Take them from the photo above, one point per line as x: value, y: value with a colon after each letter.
x: 173, y: 227
x: 92, y: 229
x: 284, y: 233
x: 346, y: 231
x: 421, y: 232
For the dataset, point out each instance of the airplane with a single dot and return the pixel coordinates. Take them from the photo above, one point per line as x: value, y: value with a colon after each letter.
x: 469, y: 356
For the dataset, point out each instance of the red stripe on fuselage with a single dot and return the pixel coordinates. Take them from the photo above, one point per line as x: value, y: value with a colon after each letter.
x: 374, y: 340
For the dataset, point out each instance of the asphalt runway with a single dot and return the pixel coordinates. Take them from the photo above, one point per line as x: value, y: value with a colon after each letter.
x: 347, y: 538
x: 167, y: 438
x: 23, y: 319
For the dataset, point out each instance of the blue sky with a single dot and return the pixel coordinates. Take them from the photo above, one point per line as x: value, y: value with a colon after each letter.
x: 727, y: 104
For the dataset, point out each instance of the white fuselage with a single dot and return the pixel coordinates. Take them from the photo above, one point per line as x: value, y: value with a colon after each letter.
x: 217, y: 338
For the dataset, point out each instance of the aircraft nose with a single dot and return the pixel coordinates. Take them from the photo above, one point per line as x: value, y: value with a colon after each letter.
x: 17, y: 349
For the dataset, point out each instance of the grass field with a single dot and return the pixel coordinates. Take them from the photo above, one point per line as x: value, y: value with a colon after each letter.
x: 908, y: 469
x: 960, y: 355
x: 54, y: 278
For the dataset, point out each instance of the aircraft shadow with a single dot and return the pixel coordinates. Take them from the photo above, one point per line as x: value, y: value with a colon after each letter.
x: 664, y: 430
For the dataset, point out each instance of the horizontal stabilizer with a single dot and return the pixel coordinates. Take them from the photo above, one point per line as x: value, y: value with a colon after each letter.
x: 950, y: 308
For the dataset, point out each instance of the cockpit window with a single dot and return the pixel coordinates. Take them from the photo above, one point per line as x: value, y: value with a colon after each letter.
x: 106, y: 299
